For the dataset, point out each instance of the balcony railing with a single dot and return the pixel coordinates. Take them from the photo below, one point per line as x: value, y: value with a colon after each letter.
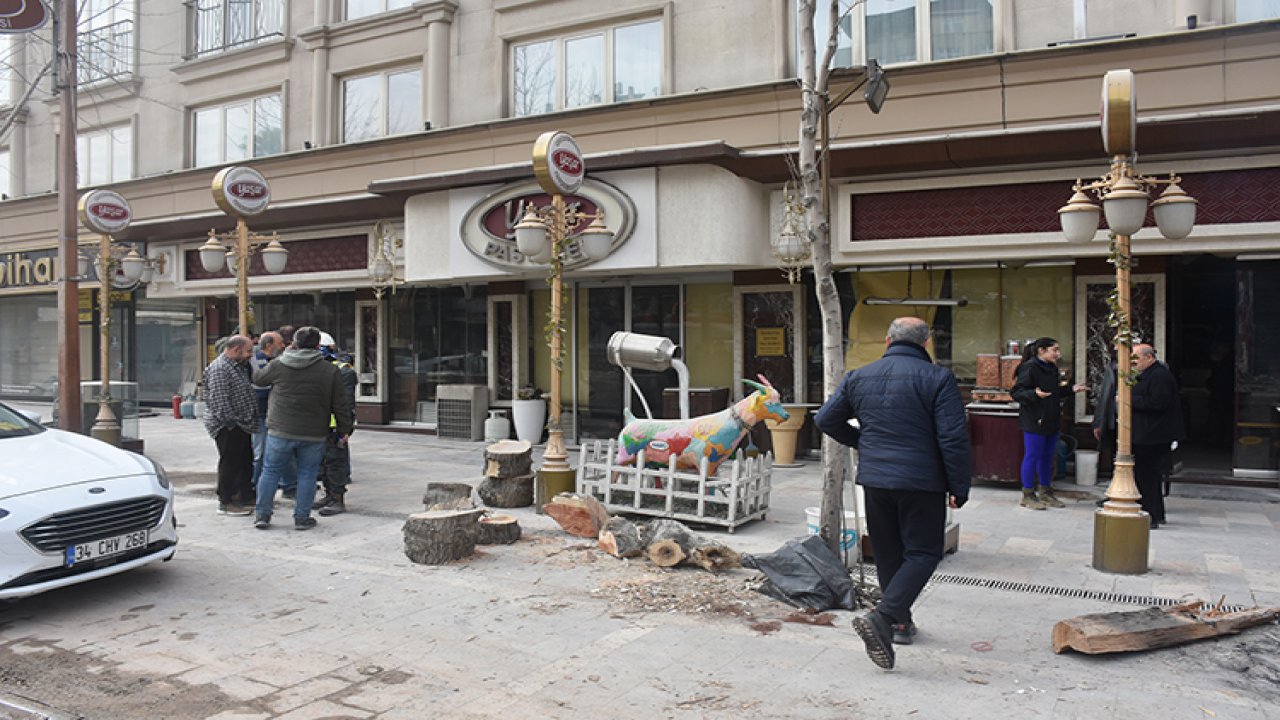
x: 221, y: 25
x: 105, y: 52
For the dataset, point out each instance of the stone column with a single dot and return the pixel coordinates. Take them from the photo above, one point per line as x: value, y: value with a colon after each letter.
x: 438, y: 17
x: 316, y: 40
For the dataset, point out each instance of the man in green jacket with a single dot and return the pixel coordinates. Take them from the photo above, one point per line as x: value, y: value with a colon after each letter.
x: 306, y: 391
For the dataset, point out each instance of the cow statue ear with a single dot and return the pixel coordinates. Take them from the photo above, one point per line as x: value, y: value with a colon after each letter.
x: 757, y: 386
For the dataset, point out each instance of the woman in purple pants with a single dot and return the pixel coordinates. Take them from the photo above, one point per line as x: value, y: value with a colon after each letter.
x: 1039, y: 393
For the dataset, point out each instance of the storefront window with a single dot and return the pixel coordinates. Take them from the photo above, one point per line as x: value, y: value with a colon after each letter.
x: 438, y: 336
x: 169, y: 358
x: 29, y: 346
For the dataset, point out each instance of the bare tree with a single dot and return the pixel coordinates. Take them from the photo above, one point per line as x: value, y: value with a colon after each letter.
x: 815, y: 73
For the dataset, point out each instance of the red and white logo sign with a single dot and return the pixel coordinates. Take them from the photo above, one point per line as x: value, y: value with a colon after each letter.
x: 241, y: 191
x: 558, y: 163
x: 21, y: 16
x: 104, y: 211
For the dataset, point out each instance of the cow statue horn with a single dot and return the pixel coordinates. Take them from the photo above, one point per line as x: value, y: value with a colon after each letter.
x: 757, y: 386
x: 765, y: 380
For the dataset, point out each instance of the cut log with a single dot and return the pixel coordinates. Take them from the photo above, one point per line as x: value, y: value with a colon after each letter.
x: 436, y: 537
x: 508, y: 458
x: 668, y: 543
x: 579, y: 515
x: 1153, y: 628
x: 506, y: 492
x: 665, y: 553
x: 497, y: 530
x: 447, y: 496
x: 713, y: 556
x: 621, y: 538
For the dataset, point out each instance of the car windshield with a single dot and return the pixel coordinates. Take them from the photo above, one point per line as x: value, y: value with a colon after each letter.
x: 15, y: 424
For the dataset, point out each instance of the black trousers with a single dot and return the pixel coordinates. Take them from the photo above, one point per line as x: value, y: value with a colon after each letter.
x: 1150, y: 465
x: 235, y: 466
x: 907, y: 531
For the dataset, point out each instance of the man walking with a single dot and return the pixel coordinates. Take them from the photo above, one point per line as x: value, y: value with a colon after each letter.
x: 306, y: 391
x: 1157, y: 422
x: 913, y: 451
x: 270, y: 345
x: 230, y: 418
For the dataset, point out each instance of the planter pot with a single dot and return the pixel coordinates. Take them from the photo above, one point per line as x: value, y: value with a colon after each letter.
x: 785, y: 434
x: 530, y: 418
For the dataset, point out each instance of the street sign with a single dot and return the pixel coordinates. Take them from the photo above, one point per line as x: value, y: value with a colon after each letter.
x: 22, y: 16
x: 1119, y: 113
x: 557, y: 163
x: 241, y: 191
x: 105, y: 212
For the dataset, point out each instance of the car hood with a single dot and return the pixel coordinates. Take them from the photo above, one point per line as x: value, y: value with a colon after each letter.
x: 55, y: 458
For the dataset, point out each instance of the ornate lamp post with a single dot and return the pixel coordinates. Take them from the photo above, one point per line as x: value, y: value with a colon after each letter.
x: 1121, y: 530
x: 541, y: 236
x: 106, y: 213
x: 240, y: 192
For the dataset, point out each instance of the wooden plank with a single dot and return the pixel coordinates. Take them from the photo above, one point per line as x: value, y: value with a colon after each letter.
x: 1151, y: 628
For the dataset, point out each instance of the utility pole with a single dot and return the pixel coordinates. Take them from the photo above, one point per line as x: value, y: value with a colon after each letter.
x: 68, y: 225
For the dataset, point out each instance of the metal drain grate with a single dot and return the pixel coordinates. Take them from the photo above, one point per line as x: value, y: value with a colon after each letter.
x: 1038, y: 589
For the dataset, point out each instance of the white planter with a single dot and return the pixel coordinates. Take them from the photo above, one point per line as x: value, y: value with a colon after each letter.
x: 530, y: 418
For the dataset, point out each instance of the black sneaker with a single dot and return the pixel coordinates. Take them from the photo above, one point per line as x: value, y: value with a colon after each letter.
x: 262, y: 522
x: 305, y: 523
x: 877, y: 635
x: 335, y: 506
x: 904, y: 633
x: 233, y: 509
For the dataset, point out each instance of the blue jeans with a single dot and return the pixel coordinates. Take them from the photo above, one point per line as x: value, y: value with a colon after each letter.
x: 289, y: 478
x: 1037, y: 458
x: 280, y: 454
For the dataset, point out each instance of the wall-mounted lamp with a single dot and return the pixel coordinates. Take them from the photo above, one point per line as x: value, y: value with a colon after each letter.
x: 929, y: 302
x: 877, y: 86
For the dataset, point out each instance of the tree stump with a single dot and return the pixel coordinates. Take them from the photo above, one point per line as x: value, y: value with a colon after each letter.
x: 668, y: 543
x: 621, y: 538
x: 436, y: 537
x: 580, y: 515
x: 447, y: 496
x: 506, y: 492
x: 497, y: 530
x: 508, y: 459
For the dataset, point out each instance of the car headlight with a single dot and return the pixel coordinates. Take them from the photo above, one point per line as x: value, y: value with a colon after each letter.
x: 3, y: 513
x: 162, y: 477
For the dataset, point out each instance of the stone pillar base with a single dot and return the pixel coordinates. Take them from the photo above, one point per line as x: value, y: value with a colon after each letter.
x: 1120, y: 542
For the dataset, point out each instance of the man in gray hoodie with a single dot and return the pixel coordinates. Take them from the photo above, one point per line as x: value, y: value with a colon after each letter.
x: 306, y: 390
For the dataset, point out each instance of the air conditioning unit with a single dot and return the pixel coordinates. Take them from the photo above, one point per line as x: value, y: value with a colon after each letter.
x: 461, y: 411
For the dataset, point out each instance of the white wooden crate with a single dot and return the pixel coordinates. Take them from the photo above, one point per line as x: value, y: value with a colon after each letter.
x: 736, y: 494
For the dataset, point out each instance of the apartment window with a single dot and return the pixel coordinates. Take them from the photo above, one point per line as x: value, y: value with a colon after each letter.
x: 4, y: 175
x: 104, y: 40
x: 225, y: 24
x: 954, y: 28
x: 237, y: 131
x: 614, y: 64
x: 362, y: 8
x: 387, y: 103
x: 1250, y: 10
x: 104, y: 156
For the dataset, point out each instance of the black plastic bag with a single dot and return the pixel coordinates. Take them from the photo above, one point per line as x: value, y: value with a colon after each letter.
x: 806, y: 574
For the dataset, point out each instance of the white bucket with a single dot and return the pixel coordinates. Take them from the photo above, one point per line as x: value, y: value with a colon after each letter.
x: 848, y: 538
x: 1086, y: 467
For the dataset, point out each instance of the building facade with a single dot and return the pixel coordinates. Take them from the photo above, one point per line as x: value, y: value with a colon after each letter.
x: 421, y: 116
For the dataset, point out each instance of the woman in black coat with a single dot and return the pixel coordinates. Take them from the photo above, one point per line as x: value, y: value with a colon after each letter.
x: 1039, y: 394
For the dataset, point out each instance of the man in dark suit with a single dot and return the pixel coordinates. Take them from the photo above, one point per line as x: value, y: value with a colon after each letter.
x: 1157, y: 423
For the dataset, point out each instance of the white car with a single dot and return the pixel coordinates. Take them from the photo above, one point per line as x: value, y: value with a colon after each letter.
x: 74, y: 509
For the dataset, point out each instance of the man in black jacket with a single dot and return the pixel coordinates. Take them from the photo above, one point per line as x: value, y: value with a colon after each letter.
x: 1157, y: 422
x: 913, y: 451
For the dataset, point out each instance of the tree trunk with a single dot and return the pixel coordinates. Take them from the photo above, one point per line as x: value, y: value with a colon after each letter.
x: 711, y: 555
x: 436, y: 537
x: 621, y: 538
x: 497, y: 530
x: 447, y: 496
x: 507, y: 459
x: 506, y: 492
x: 668, y: 543
x: 580, y: 515
x: 1152, y: 628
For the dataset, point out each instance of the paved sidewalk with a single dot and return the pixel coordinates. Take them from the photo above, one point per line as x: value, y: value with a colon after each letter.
x: 336, y: 622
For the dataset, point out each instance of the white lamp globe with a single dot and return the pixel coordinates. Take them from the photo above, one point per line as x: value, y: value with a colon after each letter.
x: 274, y: 257
x: 596, y: 240
x: 133, y: 264
x: 212, y: 255
x: 1079, y: 218
x: 531, y: 235
x: 1175, y: 213
x: 1125, y: 207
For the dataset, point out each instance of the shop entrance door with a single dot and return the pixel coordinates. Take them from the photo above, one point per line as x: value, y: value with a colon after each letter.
x: 1202, y: 302
x: 1256, y: 452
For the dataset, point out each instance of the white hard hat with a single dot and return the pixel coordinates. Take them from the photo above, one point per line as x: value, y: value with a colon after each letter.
x: 326, y: 340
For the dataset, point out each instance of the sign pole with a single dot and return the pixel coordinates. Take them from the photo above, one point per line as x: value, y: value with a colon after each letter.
x: 106, y: 427
x: 68, y: 290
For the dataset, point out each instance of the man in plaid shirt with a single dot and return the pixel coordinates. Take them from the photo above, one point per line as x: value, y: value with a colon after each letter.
x: 231, y: 418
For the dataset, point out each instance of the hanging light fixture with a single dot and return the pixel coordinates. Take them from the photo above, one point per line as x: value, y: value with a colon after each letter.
x: 274, y: 256
x: 531, y: 236
x: 790, y: 247
x: 1079, y: 217
x: 212, y: 254
x: 596, y: 240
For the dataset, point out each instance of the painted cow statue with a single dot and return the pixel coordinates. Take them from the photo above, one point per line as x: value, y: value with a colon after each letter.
x: 714, y: 436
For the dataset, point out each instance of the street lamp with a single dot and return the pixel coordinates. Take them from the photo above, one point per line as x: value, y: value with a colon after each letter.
x: 541, y: 236
x: 240, y: 192
x: 106, y: 213
x: 1122, y: 531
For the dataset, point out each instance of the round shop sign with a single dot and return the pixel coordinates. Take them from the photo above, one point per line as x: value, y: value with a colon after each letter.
x: 558, y: 163
x: 241, y: 191
x: 1119, y: 113
x: 22, y: 16
x: 104, y: 211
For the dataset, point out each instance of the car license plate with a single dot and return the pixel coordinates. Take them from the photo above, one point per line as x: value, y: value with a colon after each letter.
x: 106, y: 547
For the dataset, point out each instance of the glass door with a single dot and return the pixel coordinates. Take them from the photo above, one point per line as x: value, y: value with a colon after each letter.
x: 770, y: 321
x: 1257, y: 397
x: 599, y: 382
x: 368, y: 348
